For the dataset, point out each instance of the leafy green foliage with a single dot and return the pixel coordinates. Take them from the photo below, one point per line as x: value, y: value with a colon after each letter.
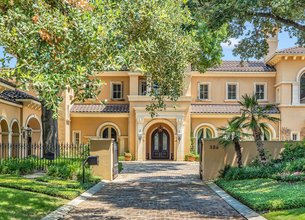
x: 284, y: 169
x: 264, y: 18
x: 63, y: 170
x: 59, y: 44
x: 266, y: 194
x: 293, y: 150
x: 17, y: 167
x: 254, y: 117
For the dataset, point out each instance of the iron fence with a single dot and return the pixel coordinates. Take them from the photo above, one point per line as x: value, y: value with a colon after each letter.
x: 42, y: 156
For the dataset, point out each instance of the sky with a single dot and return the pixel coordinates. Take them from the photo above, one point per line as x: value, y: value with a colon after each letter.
x: 284, y: 42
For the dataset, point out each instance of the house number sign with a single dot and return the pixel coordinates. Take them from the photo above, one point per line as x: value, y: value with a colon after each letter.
x: 214, y: 147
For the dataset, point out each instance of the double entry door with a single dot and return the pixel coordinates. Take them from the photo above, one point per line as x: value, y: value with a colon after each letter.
x: 160, y: 144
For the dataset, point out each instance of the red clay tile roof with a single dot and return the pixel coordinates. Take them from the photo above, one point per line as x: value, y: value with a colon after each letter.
x: 99, y: 108
x: 223, y: 109
x: 245, y: 66
x: 292, y: 50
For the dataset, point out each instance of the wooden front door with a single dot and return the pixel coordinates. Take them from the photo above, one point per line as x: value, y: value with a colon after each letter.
x: 160, y: 144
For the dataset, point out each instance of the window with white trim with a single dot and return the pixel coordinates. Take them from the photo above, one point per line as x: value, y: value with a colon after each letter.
x: 232, y: 91
x: 295, y: 136
x: 260, y: 90
x: 204, y: 91
x: 143, y: 87
x: 117, y: 90
x: 76, y: 137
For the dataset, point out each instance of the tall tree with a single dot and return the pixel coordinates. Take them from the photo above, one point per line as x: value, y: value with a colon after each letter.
x: 232, y: 134
x: 254, y: 117
x: 254, y: 21
x: 62, y: 43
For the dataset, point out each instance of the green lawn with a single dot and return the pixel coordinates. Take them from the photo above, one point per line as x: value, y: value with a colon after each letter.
x: 18, y: 204
x: 266, y: 194
x: 22, y: 198
x: 67, y: 189
x: 290, y: 214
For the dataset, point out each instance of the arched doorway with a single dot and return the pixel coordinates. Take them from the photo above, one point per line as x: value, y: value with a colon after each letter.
x: 159, y: 140
x: 15, y: 138
x: 15, y: 132
x: 160, y: 147
x: 4, y: 132
x: 32, y: 136
x: 4, y: 140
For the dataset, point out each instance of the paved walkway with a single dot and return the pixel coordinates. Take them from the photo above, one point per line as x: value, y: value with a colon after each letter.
x: 155, y: 190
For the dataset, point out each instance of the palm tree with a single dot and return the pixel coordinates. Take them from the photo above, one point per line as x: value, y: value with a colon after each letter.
x: 233, y: 133
x: 254, y: 117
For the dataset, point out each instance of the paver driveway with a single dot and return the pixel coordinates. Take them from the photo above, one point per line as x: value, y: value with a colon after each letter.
x: 155, y: 190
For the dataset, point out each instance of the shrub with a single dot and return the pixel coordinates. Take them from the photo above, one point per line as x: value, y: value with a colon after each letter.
x: 63, y: 170
x: 14, y: 166
x: 290, y: 177
x: 251, y: 172
x: 295, y: 166
x: 293, y: 150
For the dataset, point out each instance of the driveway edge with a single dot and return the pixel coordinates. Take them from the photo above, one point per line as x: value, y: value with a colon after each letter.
x: 63, y: 210
x: 235, y: 204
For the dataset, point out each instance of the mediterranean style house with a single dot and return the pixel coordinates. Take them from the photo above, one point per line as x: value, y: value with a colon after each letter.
x: 208, y: 101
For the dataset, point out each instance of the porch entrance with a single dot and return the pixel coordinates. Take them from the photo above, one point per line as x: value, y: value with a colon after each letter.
x: 160, y: 144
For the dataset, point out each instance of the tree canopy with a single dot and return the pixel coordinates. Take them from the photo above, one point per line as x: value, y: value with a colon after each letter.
x: 254, y: 21
x: 60, y: 43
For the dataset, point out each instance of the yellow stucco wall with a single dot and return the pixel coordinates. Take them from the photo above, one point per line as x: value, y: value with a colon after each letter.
x: 216, y: 157
x: 218, y: 87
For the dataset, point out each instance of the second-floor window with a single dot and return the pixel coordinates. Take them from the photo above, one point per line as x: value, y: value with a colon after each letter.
x: 117, y: 90
x: 142, y: 87
x: 203, y: 91
x: 260, y: 91
x: 232, y: 91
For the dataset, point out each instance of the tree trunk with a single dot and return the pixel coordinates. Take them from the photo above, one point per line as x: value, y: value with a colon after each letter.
x: 50, y: 131
x: 238, y: 153
x: 260, y: 145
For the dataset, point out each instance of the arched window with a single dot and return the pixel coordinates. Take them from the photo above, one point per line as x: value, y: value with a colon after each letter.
x: 109, y: 132
x: 203, y: 133
x: 302, y: 89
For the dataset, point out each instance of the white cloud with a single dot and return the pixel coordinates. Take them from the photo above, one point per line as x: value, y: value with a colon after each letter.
x: 231, y: 44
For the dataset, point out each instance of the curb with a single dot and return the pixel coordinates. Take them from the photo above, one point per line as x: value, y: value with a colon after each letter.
x: 63, y: 210
x: 235, y: 204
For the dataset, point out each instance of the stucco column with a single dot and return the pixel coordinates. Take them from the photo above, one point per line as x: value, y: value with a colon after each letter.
x: 180, y: 138
x: 140, y: 151
x: 10, y: 141
x: 121, y: 144
x: 295, y: 93
x: 133, y: 83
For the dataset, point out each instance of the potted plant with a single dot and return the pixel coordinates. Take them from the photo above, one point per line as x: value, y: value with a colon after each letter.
x: 127, y: 156
x: 192, y: 156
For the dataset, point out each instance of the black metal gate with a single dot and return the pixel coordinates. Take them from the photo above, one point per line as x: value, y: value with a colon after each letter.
x: 115, y: 171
